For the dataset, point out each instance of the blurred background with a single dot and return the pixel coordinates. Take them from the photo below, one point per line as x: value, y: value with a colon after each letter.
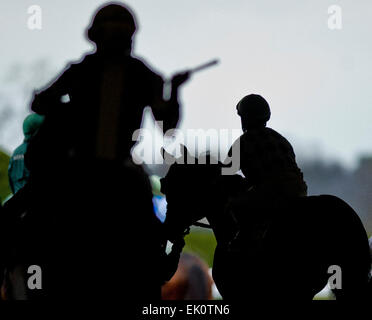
x: 315, y: 79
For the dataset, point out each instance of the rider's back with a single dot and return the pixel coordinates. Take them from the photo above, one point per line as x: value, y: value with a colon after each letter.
x: 268, y: 162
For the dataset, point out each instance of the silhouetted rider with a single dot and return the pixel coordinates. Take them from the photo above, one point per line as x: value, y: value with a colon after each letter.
x: 109, y: 89
x: 267, y: 159
x: 90, y: 138
x: 268, y: 163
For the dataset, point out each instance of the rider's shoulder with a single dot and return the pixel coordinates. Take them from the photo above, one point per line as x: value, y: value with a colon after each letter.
x: 85, y: 60
x: 280, y: 140
x: 272, y: 131
x: 138, y: 65
x: 142, y: 66
x: 276, y: 134
x: 256, y: 134
x: 76, y: 66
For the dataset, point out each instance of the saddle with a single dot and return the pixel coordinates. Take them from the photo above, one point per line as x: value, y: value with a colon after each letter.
x: 255, y: 214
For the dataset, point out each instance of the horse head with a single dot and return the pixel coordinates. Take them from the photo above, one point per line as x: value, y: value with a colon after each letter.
x: 189, y: 187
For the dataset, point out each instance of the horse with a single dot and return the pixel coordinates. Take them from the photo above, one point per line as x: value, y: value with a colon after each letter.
x: 286, y: 250
x: 87, y: 223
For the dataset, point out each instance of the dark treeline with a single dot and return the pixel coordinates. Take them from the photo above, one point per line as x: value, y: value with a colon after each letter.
x: 354, y: 186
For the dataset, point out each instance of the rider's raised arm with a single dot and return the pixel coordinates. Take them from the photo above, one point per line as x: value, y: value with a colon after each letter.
x: 52, y: 93
x: 163, y: 110
x: 168, y: 110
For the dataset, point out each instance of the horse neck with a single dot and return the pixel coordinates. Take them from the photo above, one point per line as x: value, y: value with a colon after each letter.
x: 222, y: 226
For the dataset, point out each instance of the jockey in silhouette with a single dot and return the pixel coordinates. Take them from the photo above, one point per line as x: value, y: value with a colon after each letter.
x: 109, y: 89
x: 268, y: 163
x: 267, y: 159
x: 91, y: 111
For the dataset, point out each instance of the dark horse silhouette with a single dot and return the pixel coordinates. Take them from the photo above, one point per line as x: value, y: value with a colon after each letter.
x: 284, y: 251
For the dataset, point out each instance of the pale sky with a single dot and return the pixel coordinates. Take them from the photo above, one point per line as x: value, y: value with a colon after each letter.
x: 316, y: 80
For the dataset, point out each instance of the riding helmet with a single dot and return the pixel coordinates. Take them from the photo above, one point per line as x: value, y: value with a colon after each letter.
x: 254, y: 108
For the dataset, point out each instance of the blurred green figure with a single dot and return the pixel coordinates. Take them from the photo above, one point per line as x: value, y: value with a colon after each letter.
x: 17, y: 171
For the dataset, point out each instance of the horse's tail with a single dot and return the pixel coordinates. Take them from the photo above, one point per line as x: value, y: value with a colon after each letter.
x: 349, y: 250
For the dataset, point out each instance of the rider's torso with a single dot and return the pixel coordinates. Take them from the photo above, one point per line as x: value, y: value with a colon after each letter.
x: 269, y: 163
x: 107, y: 103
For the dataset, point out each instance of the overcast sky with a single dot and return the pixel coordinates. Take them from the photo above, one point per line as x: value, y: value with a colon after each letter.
x: 316, y: 80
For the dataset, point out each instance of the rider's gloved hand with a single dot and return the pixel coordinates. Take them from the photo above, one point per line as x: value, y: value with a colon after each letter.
x: 179, y: 79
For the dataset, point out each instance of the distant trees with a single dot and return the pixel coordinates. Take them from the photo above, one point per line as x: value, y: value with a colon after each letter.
x: 354, y: 187
x: 16, y: 89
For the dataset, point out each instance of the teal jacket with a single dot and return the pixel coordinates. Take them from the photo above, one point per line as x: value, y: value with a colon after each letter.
x: 17, y: 171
